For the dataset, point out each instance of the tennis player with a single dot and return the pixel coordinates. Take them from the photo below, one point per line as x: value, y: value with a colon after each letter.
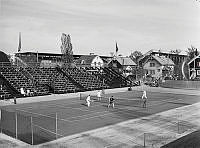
x: 88, y: 100
x: 111, y: 102
x: 144, y: 98
x: 99, y: 95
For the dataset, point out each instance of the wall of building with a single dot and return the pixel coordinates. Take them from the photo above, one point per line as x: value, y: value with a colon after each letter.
x: 97, y: 62
x: 154, y: 71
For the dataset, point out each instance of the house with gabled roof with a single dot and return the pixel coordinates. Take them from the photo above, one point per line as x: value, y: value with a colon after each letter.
x: 124, y: 65
x: 158, y: 67
x: 194, y: 68
x: 178, y: 59
x: 90, y: 61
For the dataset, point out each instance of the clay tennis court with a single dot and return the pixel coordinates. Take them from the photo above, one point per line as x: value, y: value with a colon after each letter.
x: 73, y: 116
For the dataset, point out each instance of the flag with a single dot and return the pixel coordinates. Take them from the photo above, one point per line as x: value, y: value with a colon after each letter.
x: 19, y: 46
x: 116, y: 48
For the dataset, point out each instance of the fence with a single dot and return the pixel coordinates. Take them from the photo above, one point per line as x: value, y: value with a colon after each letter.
x: 35, y: 128
x: 28, y: 127
x: 152, y: 139
x: 181, y: 84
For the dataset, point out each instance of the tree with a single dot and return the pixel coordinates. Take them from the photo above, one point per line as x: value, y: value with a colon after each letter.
x: 66, y: 49
x: 192, y: 52
x: 136, y: 55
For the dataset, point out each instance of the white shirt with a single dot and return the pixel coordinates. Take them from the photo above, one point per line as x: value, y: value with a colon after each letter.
x: 22, y: 91
x: 98, y: 94
x: 88, y: 99
x: 144, y: 94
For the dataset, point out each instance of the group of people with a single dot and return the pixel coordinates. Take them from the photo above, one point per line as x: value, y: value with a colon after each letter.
x: 25, y: 92
x: 111, y: 100
x: 99, y: 97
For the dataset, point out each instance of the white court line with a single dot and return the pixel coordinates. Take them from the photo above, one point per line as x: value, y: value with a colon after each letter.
x: 67, y: 120
x: 114, y: 112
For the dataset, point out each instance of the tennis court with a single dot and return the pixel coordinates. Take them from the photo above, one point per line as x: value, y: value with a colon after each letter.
x: 69, y: 116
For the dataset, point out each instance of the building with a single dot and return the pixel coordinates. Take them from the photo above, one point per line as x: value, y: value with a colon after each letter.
x: 51, y: 59
x: 90, y: 61
x: 123, y: 65
x: 158, y: 67
x: 194, y: 68
x: 178, y: 59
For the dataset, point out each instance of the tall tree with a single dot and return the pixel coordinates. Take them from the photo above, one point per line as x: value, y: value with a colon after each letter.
x: 136, y: 55
x: 192, y: 52
x: 66, y: 49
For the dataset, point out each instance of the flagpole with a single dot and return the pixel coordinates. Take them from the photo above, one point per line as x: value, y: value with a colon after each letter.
x: 116, y: 49
x: 20, y: 44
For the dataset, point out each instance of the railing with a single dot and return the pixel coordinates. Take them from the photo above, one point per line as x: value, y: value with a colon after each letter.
x: 5, y: 64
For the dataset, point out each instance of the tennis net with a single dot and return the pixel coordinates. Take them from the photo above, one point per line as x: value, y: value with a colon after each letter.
x: 119, y: 101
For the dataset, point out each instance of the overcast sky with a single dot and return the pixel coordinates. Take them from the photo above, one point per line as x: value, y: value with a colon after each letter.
x: 95, y: 25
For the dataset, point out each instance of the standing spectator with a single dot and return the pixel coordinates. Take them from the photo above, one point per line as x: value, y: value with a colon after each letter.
x: 15, y: 101
x: 99, y: 95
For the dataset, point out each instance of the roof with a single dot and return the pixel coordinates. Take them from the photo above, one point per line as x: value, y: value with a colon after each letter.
x: 76, y: 56
x: 163, y: 60
x: 87, y: 59
x: 153, y: 51
x: 3, y: 57
x: 125, y: 61
x: 194, y: 59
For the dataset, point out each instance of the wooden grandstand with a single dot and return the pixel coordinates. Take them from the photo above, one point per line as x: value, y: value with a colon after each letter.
x: 40, y: 80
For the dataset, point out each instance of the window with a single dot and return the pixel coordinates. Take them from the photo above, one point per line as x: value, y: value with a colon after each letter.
x: 152, y: 72
x: 198, y: 72
x: 82, y: 62
x: 152, y: 64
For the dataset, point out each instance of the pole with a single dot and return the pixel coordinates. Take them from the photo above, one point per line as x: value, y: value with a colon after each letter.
x: 178, y: 127
x: 16, y: 125
x: 56, y: 126
x: 144, y: 140
x: 32, y: 142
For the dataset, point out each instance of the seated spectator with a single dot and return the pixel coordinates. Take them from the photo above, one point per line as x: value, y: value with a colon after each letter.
x: 28, y: 92
x: 22, y: 91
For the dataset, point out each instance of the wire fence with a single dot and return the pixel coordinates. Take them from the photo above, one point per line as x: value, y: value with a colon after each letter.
x: 31, y: 128
x: 151, y: 139
x: 35, y: 128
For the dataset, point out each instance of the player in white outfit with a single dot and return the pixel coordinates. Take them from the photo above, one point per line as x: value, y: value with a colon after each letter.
x: 88, y: 99
x: 144, y: 98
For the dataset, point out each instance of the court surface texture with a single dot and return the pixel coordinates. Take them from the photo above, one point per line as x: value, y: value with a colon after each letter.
x: 75, y: 117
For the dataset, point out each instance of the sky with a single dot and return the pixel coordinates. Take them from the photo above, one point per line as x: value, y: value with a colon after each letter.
x: 96, y: 25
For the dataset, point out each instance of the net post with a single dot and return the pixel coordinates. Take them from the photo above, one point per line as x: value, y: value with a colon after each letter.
x: 178, y: 127
x: 16, y: 125
x: 32, y: 130
x: 144, y: 140
x: 56, y: 125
